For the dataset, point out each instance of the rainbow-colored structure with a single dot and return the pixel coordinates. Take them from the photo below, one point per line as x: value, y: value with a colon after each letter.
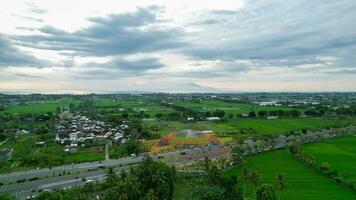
x: 178, y: 139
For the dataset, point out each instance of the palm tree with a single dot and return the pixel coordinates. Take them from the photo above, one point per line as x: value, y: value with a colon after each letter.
x: 121, y: 191
x: 112, y: 178
x: 254, y: 178
x: 132, y: 186
x: 281, y: 183
x: 245, y: 175
x: 151, y: 195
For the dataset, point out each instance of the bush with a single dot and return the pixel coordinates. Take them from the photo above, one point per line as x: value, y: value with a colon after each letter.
x: 266, y: 192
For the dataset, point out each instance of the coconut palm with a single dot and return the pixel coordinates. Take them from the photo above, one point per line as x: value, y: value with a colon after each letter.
x: 281, y: 183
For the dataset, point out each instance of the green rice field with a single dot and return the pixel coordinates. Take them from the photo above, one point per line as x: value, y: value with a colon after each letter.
x: 262, y: 126
x: 340, y: 153
x: 303, y: 182
x: 39, y: 108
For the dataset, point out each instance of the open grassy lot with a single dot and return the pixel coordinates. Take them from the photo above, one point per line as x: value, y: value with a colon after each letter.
x: 165, y: 127
x: 130, y: 106
x: 234, y: 108
x: 340, y: 153
x: 262, y: 126
x: 39, y: 107
x: 302, y: 182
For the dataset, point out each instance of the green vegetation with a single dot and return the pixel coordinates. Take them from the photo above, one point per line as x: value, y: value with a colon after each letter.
x: 213, y: 185
x: 339, y: 153
x: 119, y: 106
x: 26, y: 154
x: 39, y: 108
x: 285, y: 125
x: 248, y: 126
x: 234, y: 108
x: 302, y: 181
x: 149, y: 180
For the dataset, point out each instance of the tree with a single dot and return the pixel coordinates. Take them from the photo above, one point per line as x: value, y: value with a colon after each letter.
x: 294, y: 149
x: 266, y: 192
x: 132, y: 186
x: 245, y: 176
x: 236, y: 155
x: 6, y: 197
x: 215, y: 188
x: 49, y: 196
x: 231, y: 191
x: 219, y: 113
x: 262, y: 113
x: 254, y: 178
x: 125, y: 115
x: 206, y: 192
x: 281, y: 183
x: 295, y: 113
x: 111, y: 178
x: 2, y: 136
x: 151, y: 195
x: 214, y: 176
x: 132, y: 146
x: 206, y: 164
x: 252, y: 114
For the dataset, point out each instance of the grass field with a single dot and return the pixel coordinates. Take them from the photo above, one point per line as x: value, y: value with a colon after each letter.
x: 262, y: 126
x: 234, y: 108
x: 149, y: 108
x: 340, y: 153
x: 302, y: 182
x: 39, y: 107
x: 284, y: 125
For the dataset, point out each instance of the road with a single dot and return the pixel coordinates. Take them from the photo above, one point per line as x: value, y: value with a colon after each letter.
x: 71, y: 168
x: 29, y: 188
x: 20, y: 184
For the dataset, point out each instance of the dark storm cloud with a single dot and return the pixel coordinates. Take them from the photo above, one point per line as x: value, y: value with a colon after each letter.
x: 293, y: 33
x: 11, y: 56
x: 116, y: 34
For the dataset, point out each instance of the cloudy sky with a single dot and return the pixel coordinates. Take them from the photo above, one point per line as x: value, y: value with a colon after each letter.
x: 177, y: 46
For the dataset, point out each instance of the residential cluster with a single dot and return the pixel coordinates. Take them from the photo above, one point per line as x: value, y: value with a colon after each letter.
x: 75, y: 130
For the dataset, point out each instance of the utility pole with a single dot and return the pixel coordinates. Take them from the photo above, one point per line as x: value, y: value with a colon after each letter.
x: 107, y: 151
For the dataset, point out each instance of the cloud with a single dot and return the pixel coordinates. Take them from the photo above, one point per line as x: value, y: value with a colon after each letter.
x: 142, y: 16
x: 135, y: 65
x: 282, y: 33
x: 27, y: 18
x: 117, y: 68
x: 35, y: 9
x: 115, y: 34
x: 11, y: 56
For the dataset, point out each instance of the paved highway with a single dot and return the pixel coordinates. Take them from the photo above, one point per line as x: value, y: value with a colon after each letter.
x: 72, y: 175
x: 72, y: 168
x: 29, y: 188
